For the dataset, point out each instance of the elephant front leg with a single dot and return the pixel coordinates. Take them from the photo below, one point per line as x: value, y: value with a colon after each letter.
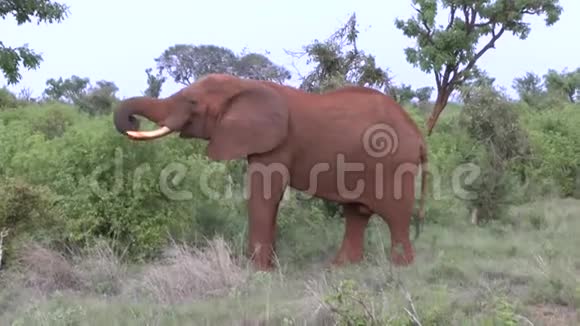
x: 265, y: 193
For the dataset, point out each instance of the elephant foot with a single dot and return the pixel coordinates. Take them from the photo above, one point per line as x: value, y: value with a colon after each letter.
x: 267, y: 267
x: 402, y: 255
x: 263, y: 258
x: 345, y: 257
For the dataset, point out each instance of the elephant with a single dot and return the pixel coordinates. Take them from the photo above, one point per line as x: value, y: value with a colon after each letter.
x: 351, y: 146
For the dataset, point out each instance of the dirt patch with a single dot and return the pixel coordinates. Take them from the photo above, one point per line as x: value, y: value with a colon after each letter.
x: 554, y: 315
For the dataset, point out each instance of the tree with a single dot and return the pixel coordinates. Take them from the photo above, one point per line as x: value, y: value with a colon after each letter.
x: 492, y: 121
x: 528, y: 87
x: 450, y: 52
x: 566, y: 83
x: 12, y: 57
x: 402, y: 94
x: 477, y: 79
x: 99, y: 99
x: 338, y: 61
x: 93, y: 100
x: 68, y: 90
x: 154, y: 83
x: 185, y: 63
x: 423, y: 94
x: 7, y: 99
x: 258, y: 66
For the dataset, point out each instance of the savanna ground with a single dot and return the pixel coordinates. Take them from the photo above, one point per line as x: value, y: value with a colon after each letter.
x: 524, y: 274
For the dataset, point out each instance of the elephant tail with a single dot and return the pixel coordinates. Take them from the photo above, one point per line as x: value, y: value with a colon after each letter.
x: 424, y: 171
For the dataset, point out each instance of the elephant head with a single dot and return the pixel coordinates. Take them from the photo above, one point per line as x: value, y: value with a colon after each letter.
x: 239, y: 117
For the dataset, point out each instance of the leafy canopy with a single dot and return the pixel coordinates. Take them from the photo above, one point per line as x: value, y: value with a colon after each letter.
x: 451, y: 51
x: 552, y: 86
x: 338, y: 61
x: 12, y: 57
x: 94, y: 100
x: 154, y: 83
x: 566, y: 83
x: 185, y: 63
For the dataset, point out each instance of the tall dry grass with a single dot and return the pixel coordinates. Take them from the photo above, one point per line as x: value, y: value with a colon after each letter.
x: 194, y: 273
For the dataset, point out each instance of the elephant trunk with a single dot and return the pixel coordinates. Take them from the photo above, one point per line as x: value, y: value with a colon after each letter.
x: 125, y: 120
x: 161, y: 111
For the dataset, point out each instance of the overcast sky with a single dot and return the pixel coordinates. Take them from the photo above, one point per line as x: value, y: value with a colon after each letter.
x: 117, y: 40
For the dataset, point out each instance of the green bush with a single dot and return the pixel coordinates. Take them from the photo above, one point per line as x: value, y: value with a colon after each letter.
x: 7, y: 99
x: 105, y: 186
x: 28, y: 212
x: 111, y: 187
x: 556, y: 139
x: 494, y: 124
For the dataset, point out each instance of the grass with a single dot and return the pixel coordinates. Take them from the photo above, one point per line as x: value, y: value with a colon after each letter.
x: 523, y: 272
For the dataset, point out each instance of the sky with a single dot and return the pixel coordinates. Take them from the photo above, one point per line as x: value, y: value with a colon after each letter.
x: 117, y: 40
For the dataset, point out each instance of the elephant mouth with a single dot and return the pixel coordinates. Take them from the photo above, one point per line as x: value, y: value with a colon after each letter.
x: 152, y: 134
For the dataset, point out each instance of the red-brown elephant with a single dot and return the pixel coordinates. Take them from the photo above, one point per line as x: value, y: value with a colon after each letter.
x: 327, y: 145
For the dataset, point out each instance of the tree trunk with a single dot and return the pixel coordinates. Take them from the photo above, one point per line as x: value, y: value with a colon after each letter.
x: 440, y: 103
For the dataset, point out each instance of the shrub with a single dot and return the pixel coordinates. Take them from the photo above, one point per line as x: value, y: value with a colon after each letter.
x: 491, y: 120
x: 97, y: 184
x: 556, y: 140
x: 28, y: 212
x: 7, y: 99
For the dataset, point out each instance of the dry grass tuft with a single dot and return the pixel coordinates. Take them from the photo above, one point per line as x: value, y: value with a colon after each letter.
x: 101, y: 270
x: 98, y: 270
x: 191, y: 273
x: 47, y: 270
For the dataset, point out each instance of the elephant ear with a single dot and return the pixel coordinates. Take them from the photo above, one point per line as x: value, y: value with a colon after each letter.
x: 254, y: 120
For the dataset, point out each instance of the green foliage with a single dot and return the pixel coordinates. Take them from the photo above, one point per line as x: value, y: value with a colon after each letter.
x: 258, y: 66
x: 528, y: 87
x: 450, y: 52
x: 28, y: 212
x: 566, y: 84
x: 23, y: 11
x: 423, y: 94
x: 24, y: 207
x: 127, y: 192
x: 443, y: 50
x: 556, y: 140
x: 492, y: 121
x: 99, y: 99
x: 349, y: 305
x: 338, y: 61
x: 404, y: 94
x: 7, y: 99
x: 94, y: 100
x: 154, y: 83
x: 186, y: 63
x: 552, y: 90
x: 68, y: 90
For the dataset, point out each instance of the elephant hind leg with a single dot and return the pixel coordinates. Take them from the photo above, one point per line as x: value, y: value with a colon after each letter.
x: 397, y: 215
x: 357, y: 217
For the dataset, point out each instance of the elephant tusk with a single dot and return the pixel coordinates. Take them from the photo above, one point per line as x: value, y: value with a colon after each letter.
x: 149, y: 134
